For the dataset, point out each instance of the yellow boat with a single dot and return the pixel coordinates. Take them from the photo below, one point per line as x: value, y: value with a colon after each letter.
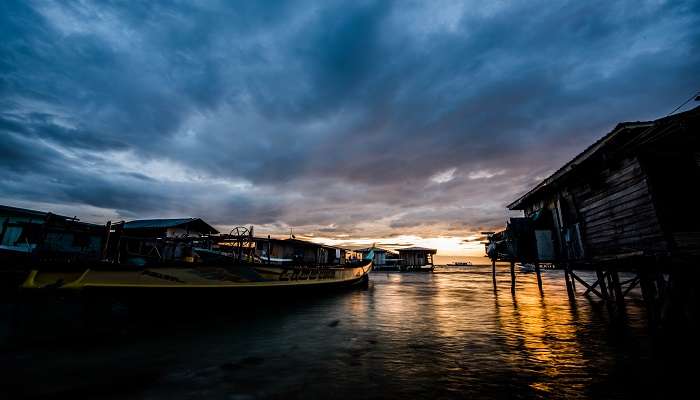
x: 243, y: 277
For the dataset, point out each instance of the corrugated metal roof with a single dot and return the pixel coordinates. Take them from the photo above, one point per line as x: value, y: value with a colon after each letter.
x: 639, y: 128
x: 376, y: 250
x: 170, y: 223
x: 26, y: 211
x: 157, y: 223
x: 417, y: 249
x: 583, y: 156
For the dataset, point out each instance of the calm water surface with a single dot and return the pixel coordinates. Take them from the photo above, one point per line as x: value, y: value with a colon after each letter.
x: 441, y: 335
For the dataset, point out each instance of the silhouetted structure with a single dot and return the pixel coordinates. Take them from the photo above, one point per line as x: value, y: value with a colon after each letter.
x: 29, y: 237
x: 383, y: 259
x: 629, y: 201
x: 28, y: 234
x: 289, y: 250
x: 169, y: 228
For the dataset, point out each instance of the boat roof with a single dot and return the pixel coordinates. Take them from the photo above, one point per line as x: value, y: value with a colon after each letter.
x: 194, y: 223
x: 313, y: 244
x: 417, y: 249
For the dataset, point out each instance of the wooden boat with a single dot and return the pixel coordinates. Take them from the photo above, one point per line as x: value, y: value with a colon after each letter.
x: 527, y: 268
x: 174, y: 268
x: 462, y: 264
x: 242, y: 277
x: 425, y: 268
x: 197, y: 283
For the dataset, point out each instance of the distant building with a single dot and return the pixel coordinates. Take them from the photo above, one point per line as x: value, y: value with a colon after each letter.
x: 379, y: 255
x: 44, y: 236
x: 416, y: 257
x: 383, y: 259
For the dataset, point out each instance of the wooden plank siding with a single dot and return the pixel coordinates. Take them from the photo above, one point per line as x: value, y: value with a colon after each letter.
x: 687, y: 242
x: 617, y: 213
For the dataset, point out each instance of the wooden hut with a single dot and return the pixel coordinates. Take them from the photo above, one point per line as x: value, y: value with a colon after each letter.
x: 416, y: 257
x: 384, y: 259
x: 629, y: 194
x: 288, y: 250
x: 379, y: 260
x: 30, y: 238
x: 629, y: 201
x: 47, y: 237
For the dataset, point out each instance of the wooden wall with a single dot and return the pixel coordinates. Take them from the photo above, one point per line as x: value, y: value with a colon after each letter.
x: 617, y: 211
x: 414, y: 258
x: 673, y: 169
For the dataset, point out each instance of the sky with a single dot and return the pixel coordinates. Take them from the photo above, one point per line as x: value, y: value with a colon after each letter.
x: 401, y: 123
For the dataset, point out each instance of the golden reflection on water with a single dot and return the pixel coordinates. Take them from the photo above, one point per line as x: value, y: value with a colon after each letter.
x: 409, y: 335
x: 545, y: 331
x: 549, y: 342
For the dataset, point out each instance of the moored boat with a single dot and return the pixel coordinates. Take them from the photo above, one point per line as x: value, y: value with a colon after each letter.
x: 172, y: 266
x: 527, y: 268
x: 242, y: 277
x: 460, y: 264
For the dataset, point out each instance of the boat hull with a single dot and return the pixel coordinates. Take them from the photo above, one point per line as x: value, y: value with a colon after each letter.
x: 199, y: 282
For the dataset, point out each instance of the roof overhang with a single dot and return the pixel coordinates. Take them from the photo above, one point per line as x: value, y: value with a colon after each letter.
x: 579, y: 159
x: 195, y: 224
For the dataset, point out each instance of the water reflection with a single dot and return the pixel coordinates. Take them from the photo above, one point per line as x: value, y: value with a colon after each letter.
x: 436, y: 335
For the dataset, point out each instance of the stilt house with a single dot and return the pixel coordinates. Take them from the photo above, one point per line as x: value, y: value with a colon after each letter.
x: 632, y: 194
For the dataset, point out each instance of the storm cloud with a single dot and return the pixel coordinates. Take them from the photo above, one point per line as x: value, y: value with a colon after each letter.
x: 342, y: 119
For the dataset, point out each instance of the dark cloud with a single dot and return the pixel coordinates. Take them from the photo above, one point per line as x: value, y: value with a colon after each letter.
x: 359, y: 119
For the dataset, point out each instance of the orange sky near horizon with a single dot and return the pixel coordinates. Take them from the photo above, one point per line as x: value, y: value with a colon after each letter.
x: 449, y: 248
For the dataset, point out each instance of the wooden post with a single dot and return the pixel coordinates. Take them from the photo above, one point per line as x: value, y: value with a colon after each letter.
x: 602, y: 276
x: 660, y: 284
x: 493, y: 271
x: 617, y: 287
x: 512, y: 276
x: 570, y: 290
x: 601, y: 281
x: 106, y: 244
x: 649, y: 295
x: 539, y: 275
x: 573, y: 281
x: 611, y: 286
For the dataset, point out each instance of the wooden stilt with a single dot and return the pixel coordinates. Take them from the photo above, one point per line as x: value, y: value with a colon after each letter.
x: 660, y: 286
x: 619, y: 296
x: 569, y: 283
x: 512, y: 276
x: 649, y: 295
x: 601, y: 281
x: 586, y: 285
x: 493, y: 272
x: 632, y: 284
x: 605, y: 289
x: 573, y: 282
x: 611, y: 290
x: 539, y: 276
x: 591, y: 288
